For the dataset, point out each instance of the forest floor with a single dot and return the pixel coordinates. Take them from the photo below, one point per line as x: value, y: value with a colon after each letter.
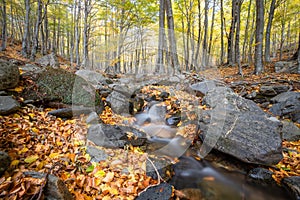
x: 39, y: 142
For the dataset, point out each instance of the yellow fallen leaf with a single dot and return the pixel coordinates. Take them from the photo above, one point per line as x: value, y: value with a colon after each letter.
x: 99, y: 174
x: 54, y: 155
x: 35, y: 130
x: 14, y: 163
x: 31, y: 159
x: 109, y: 177
x: 24, y: 150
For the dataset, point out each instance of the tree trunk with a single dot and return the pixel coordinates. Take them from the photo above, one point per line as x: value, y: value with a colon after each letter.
x: 36, y: 31
x: 4, y: 26
x: 204, y: 53
x: 222, y: 33
x: 161, y: 37
x: 246, y: 31
x: 77, y: 34
x: 171, y: 36
x: 195, y: 62
x: 25, y: 40
x: 87, y: 9
x: 211, y: 28
x: 268, y: 31
x: 230, y: 48
x: 259, y: 68
x: 237, y: 37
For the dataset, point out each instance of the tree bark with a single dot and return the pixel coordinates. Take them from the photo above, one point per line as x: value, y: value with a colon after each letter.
x: 204, y: 53
x: 36, y: 31
x: 268, y: 31
x: 172, y: 39
x: 246, y: 36
x: 161, y: 37
x: 259, y: 37
x: 237, y: 37
x: 230, y: 48
x: 212, y: 27
x: 4, y: 26
x: 222, y: 33
x: 25, y: 40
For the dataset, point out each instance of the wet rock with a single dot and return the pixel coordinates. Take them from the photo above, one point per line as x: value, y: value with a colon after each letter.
x: 9, y: 75
x: 292, y: 184
x: 4, y: 162
x: 261, y: 176
x: 162, y: 191
x: 290, y: 131
x: 96, y: 154
x: 252, y: 95
x: 173, y: 121
x: 113, y: 136
x: 287, y: 109
x: 163, y: 166
x: 238, y: 127
x: 8, y: 105
x: 49, y: 60
x: 55, y: 188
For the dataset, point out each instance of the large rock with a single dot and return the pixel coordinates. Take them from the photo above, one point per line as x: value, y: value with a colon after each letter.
x: 93, y: 77
x: 285, y: 96
x: 121, y: 98
x: 162, y: 191
x: 49, y: 60
x: 61, y: 86
x: 286, y: 66
x: 273, y: 90
x: 55, y: 188
x: 8, y: 105
x: 290, y: 108
x: 238, y: 127
x: 290, y: 131
x: 30, y: 69
x: 75, y: 111
x: 96, y: 154
x: 9, y: 75
x: 113, y: 136
x: 4, y: 162
x: 292, y: 184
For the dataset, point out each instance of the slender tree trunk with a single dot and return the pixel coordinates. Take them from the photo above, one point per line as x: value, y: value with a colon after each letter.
x: 259, y: 68
x: 212, y: 28
x: 237, y: 37
x: 195, y: 62
x: 204, y: 53
x: 230, y: 48
x: 36, y: 31
x: 222, y: 33
x: 4, y: 26
x: 250, y: 58
x: 25, y: 40
x: 85, y: 61
x: 171, y: 36
x: 246, y: 36
x: 77, y: 34
x: 268, y: 31
x: 298, y: 55
x: 46, y: 29
x: 161, y: 38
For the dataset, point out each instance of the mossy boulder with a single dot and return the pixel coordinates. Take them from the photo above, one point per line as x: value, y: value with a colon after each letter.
x: 62, y: 86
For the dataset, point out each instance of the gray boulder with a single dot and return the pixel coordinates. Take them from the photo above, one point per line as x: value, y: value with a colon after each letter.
x: 113, y: 136
x: 96, y: 154
x: 162, y: 191
x: 292, y: 184
x: 8, y: 105
x: 55, y: 188
x: 94, y: 78
x: 49, y: 60
x: 286, y: 66
x: 29, y: 69
x: 205, y: 86
x: 290, y: 108
x: 273, y: 90
x: 285, y: 96
x: 9, y: 75
x: 238, y: 127
x: 4, y: 162
x: 290, y: 131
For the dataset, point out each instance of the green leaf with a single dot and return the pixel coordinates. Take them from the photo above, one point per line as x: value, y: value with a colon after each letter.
x: 90, y: 168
